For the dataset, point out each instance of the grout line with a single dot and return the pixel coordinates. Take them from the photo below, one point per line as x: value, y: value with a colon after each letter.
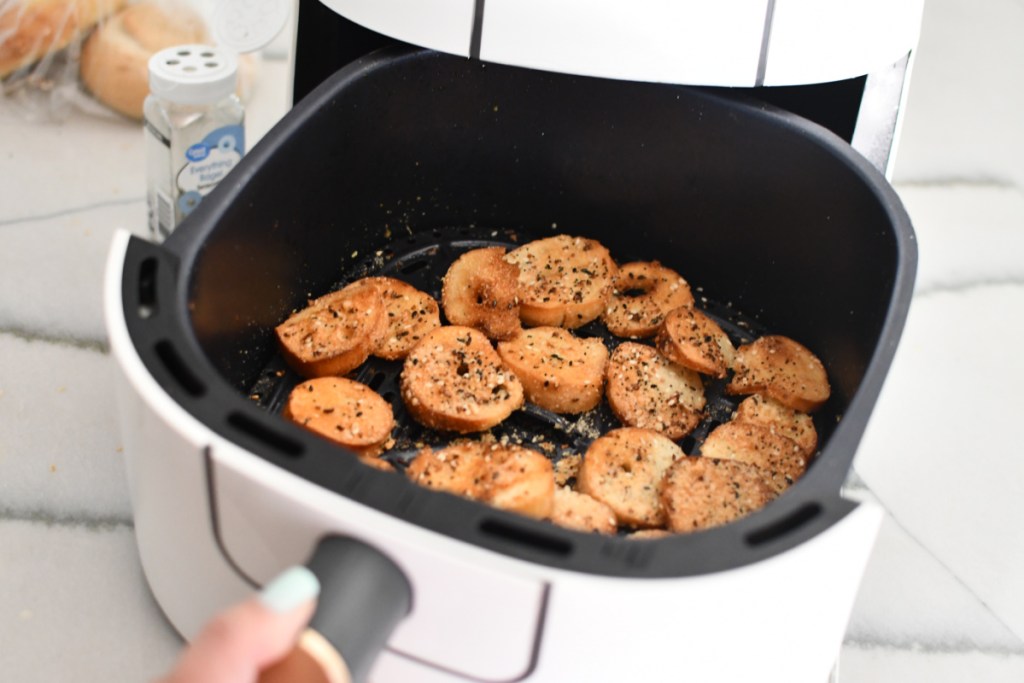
x: 953, y: 183
x: 967, y: 285
x: 70, y: 212
x: 963, y: 647
x: 50, y: 519
x: 97, y: 345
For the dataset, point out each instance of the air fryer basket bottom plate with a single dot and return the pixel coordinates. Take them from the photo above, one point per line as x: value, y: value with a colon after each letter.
x: 422, y: 260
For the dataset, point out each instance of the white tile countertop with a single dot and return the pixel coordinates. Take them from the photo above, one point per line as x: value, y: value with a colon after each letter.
x: 942, y: 599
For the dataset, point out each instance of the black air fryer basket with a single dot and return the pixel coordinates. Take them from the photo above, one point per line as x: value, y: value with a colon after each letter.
x: 406, y: 158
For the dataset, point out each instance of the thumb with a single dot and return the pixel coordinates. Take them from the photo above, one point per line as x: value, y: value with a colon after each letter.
x: 247, y: 638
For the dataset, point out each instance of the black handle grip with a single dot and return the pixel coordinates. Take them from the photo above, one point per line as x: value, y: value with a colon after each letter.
x: 363, y: 597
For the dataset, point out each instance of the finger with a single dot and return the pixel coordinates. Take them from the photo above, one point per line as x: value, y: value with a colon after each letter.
x: 238, y: 643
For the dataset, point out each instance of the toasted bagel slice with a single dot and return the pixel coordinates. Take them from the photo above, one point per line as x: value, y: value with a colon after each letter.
x: 335, y: 333
x: 692, y: 339
x: 647, y: 390
x: 560, y: 372
x: 623, y: 469
x: 783, y: 369
x: 410, y: 315
x: 459, y: 469
x: 781, y: 459
x: 480, y: 290
x: 643, y: 292
x: 580, y: 512
x: 454, y: 380
x: 344, y: 411
x: 567, y: 468
x: 700, y: 493
x: 648, y: 534
x: 506, y: 476
x: 779, y: 419
x: 377, y: 463
x: 519, y: 480
x: 563, y: 281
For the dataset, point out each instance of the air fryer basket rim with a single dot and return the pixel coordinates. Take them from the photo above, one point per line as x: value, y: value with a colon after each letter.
x: 157, y: 280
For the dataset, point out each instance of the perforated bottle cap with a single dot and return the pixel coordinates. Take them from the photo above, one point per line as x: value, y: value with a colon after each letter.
x: 248, y: 25
x: 193, y: 74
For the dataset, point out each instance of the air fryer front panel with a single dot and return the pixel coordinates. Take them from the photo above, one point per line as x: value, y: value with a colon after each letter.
x: 856, y: 92
x: 725, y: 43
x: 762, y: 211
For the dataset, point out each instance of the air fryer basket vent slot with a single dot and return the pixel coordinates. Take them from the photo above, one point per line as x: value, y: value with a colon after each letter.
x: 787, y: 525
x: 522, y: 537
x: 178, y: 369
x: 147, y: 288
x: 260, y: 431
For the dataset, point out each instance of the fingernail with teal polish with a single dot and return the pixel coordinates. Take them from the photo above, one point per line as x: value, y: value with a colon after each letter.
x: 290, y: 589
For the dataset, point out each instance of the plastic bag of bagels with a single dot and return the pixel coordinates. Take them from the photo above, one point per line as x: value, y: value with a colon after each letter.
x: 62, y: 56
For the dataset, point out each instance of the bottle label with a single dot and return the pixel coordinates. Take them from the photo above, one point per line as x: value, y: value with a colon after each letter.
x: 206, y: 163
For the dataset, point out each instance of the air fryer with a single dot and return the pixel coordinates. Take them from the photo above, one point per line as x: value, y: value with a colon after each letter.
x: 406, y: 158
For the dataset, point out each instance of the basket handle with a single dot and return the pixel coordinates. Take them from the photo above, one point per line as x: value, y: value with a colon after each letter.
x: 363, y: 597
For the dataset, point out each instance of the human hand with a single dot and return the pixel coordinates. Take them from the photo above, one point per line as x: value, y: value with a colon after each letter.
x: 239, y: 643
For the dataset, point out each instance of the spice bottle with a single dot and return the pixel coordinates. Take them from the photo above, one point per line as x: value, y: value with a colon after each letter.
x: 194, y: 130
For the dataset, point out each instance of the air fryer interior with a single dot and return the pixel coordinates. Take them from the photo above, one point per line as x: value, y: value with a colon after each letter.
x: 422, y: 259
x: 405, y: 158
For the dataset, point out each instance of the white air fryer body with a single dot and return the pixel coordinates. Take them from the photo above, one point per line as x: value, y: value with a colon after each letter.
x: 736, y: 43
x: 730, y: 43
x: 214, y: 521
